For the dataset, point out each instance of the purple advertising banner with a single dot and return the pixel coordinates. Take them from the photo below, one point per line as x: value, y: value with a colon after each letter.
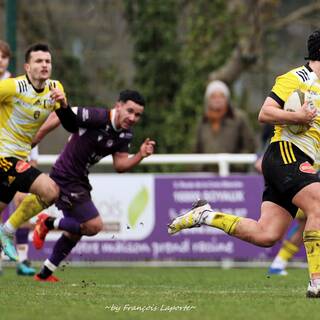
x: 169, y: 196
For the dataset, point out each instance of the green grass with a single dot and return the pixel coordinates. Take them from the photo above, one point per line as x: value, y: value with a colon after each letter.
x: 89, y: 293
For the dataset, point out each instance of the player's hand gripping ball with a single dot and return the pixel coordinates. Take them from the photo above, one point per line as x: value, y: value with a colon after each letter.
x: 293, y: 103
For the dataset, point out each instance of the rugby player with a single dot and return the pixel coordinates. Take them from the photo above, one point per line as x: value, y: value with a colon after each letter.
x: 25, y: 104
x: 98, y: 132
x: 291, y: 181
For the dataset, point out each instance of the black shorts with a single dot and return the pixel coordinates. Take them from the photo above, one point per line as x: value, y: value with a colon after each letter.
x: 286, y: 170
x: 15, y: 175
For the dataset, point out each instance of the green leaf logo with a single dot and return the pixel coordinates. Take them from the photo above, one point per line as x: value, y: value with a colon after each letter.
x: 137, y: 206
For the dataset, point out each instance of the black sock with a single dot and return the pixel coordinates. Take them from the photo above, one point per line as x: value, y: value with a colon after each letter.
x: 44, y: 273
x: 49, y: 223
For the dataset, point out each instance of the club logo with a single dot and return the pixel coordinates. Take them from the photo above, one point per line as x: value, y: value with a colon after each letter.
x: 36, y: 114
x: 306, y: 167
x: 22, y: 166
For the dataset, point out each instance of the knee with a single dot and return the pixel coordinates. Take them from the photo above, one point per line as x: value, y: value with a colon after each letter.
x: 91, y: 229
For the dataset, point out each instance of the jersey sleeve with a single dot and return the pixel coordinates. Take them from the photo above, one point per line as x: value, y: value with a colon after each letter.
x: 125, y: 146
x: 7, y: 89
x: 91, y: 117
x: 34, y: 154
x: 283, y: 87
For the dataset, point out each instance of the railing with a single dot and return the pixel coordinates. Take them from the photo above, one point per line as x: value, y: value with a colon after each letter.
x: 223, y: 160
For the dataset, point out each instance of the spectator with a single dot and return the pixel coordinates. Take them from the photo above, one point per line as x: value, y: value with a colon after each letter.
x: 223, y: 129
x: 4, y: 60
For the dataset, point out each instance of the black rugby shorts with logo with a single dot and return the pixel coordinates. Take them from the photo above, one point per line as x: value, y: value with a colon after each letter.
x: 286, y: 170
x: 15, y: 175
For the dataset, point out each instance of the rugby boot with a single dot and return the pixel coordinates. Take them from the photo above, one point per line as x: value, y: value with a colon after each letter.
x: 191, y: 219
x: 24, y: 268
x: 40, y: 231
x: 7, y: 244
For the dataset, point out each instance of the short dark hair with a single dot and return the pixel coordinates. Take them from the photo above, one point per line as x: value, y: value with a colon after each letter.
x: 36, y: 47
x: 5, y: 49
x: 132, y: 95
x: 313, y: 45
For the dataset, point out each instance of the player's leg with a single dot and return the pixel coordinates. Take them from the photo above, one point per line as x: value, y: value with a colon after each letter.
x: 289, y: 247
x: 2, y: 208
x: 308, y: 199
x: 44, y: 191
x: 22, y: 243
x: 82, y: 219
x: 270, y: 227
x: 27, y: 179
x: 7, y: 239
x: 60, y: 251
x: 90, y: 224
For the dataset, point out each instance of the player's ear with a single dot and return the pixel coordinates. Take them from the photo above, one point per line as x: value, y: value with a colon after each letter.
x: 26, y: 67
x: 118, y: 105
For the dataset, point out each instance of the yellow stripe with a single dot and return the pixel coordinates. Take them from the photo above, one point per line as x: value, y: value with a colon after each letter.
x: 287, y: 151
x: 291, y: 152
x: 282, y: 153
x: 5, y: 163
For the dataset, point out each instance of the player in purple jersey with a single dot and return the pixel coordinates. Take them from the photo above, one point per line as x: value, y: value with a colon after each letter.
x: 97, y: 133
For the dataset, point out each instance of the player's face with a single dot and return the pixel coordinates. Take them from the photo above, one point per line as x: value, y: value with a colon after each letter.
x: 4, y: 62
x: 39, y: 66
x: 128, y: 114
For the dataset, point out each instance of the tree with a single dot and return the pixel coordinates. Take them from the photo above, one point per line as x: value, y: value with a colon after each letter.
x: 153, y: 25
x: 217, y: 40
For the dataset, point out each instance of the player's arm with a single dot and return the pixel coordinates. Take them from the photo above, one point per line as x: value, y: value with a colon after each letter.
x: 272, y: 111
x: 7, y: 89
x: 122, y: 162
x: 64, y: 112
x: 50, y: 124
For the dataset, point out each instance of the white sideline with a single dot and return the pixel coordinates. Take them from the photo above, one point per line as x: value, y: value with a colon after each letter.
x: 223, y: 160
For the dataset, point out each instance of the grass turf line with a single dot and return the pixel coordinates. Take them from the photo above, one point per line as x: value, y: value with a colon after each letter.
x: 158, y: 293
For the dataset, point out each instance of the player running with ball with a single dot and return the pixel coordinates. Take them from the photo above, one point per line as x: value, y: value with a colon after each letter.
x: 291, y: 182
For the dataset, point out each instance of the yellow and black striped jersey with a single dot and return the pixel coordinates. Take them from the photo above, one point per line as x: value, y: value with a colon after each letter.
x: 23, y: 110
x: 305, y: 80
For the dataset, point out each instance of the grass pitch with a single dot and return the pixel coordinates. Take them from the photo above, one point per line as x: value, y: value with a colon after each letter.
x: 158, y: 293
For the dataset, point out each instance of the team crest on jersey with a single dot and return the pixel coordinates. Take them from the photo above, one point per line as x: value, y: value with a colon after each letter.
x: 36, y: 114
x: 306, y: 167
x: 22, y: 166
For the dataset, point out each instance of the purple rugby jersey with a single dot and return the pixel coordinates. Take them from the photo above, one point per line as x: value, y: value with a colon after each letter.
x: 95, y: 139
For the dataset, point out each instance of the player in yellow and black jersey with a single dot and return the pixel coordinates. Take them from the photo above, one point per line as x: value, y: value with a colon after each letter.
x: 25, y: 103
x: 291, y: 181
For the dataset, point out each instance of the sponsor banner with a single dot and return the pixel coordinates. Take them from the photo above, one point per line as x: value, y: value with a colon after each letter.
x: 136, y: 209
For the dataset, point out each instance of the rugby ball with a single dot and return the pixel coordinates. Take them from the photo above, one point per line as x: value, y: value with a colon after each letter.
x: 293, y: 103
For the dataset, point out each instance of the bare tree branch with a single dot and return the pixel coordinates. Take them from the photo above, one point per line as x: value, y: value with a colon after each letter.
x: 296, y: 15
x: 259, y: 20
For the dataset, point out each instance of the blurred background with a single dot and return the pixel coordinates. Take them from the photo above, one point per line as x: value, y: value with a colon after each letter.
x: 168, y: 49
